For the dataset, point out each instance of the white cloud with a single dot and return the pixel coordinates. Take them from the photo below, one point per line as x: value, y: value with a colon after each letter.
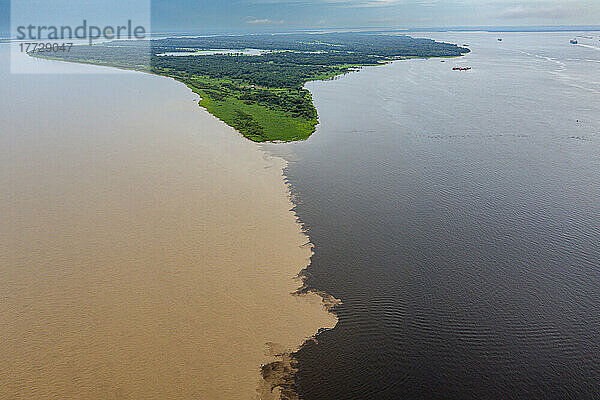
x: 350, y: 3
x: 264, y: 21
x: 459, y: 12
x: 545, y: 12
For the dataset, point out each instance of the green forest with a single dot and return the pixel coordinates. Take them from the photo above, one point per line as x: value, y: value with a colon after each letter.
x: 262, y: 96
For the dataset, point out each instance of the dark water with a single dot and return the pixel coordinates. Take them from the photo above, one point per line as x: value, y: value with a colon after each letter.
x: 457, y: 216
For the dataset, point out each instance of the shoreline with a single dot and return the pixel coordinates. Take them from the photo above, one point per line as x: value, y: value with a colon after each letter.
x: 264, y: 97
x: 205, y: 102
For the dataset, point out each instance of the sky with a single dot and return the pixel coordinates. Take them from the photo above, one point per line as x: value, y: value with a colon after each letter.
x: 216, y: 16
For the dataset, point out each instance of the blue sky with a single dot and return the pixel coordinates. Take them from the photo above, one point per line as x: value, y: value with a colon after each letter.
x: 316, y: 14
x: 287, y: 15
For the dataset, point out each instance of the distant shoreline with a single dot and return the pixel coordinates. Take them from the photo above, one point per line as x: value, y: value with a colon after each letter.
x: 261, y: 96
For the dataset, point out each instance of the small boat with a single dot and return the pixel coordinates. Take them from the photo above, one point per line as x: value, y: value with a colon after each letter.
x: 499, y: 39
x: 461, y: 68
x: 573, y: 41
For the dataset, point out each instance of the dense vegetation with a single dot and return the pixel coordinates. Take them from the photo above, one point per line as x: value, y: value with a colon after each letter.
x: 262, y: 96
x: 384, y: 45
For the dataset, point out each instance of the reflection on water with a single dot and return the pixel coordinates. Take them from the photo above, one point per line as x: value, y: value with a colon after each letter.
x: 456, y: 215
x: 245, y: 52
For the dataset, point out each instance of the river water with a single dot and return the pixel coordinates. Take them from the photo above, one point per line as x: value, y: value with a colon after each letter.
x: 456, y: 214
x: 149, y: 250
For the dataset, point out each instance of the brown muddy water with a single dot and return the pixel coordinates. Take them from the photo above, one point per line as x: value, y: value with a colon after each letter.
x: 147, y: 250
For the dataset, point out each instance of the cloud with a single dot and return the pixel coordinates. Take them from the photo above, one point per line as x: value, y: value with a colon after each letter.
x: 348, y: 3
x: 551, y: 12
x: 374, y: 3
x: 264, y: 21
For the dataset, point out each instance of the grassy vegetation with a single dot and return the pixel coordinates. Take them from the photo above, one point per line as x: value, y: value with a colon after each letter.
x: 262, y: 96
x: 259, y: 113
x: 258, y: 122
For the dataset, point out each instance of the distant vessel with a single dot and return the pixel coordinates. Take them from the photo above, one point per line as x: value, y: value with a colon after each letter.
x: 461, y: 68
x: 573, y: 41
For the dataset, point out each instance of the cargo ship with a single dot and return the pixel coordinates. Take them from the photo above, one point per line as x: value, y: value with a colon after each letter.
x: 461, y: 68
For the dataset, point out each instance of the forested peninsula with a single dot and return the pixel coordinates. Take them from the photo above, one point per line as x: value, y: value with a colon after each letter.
x: 260, y: 92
